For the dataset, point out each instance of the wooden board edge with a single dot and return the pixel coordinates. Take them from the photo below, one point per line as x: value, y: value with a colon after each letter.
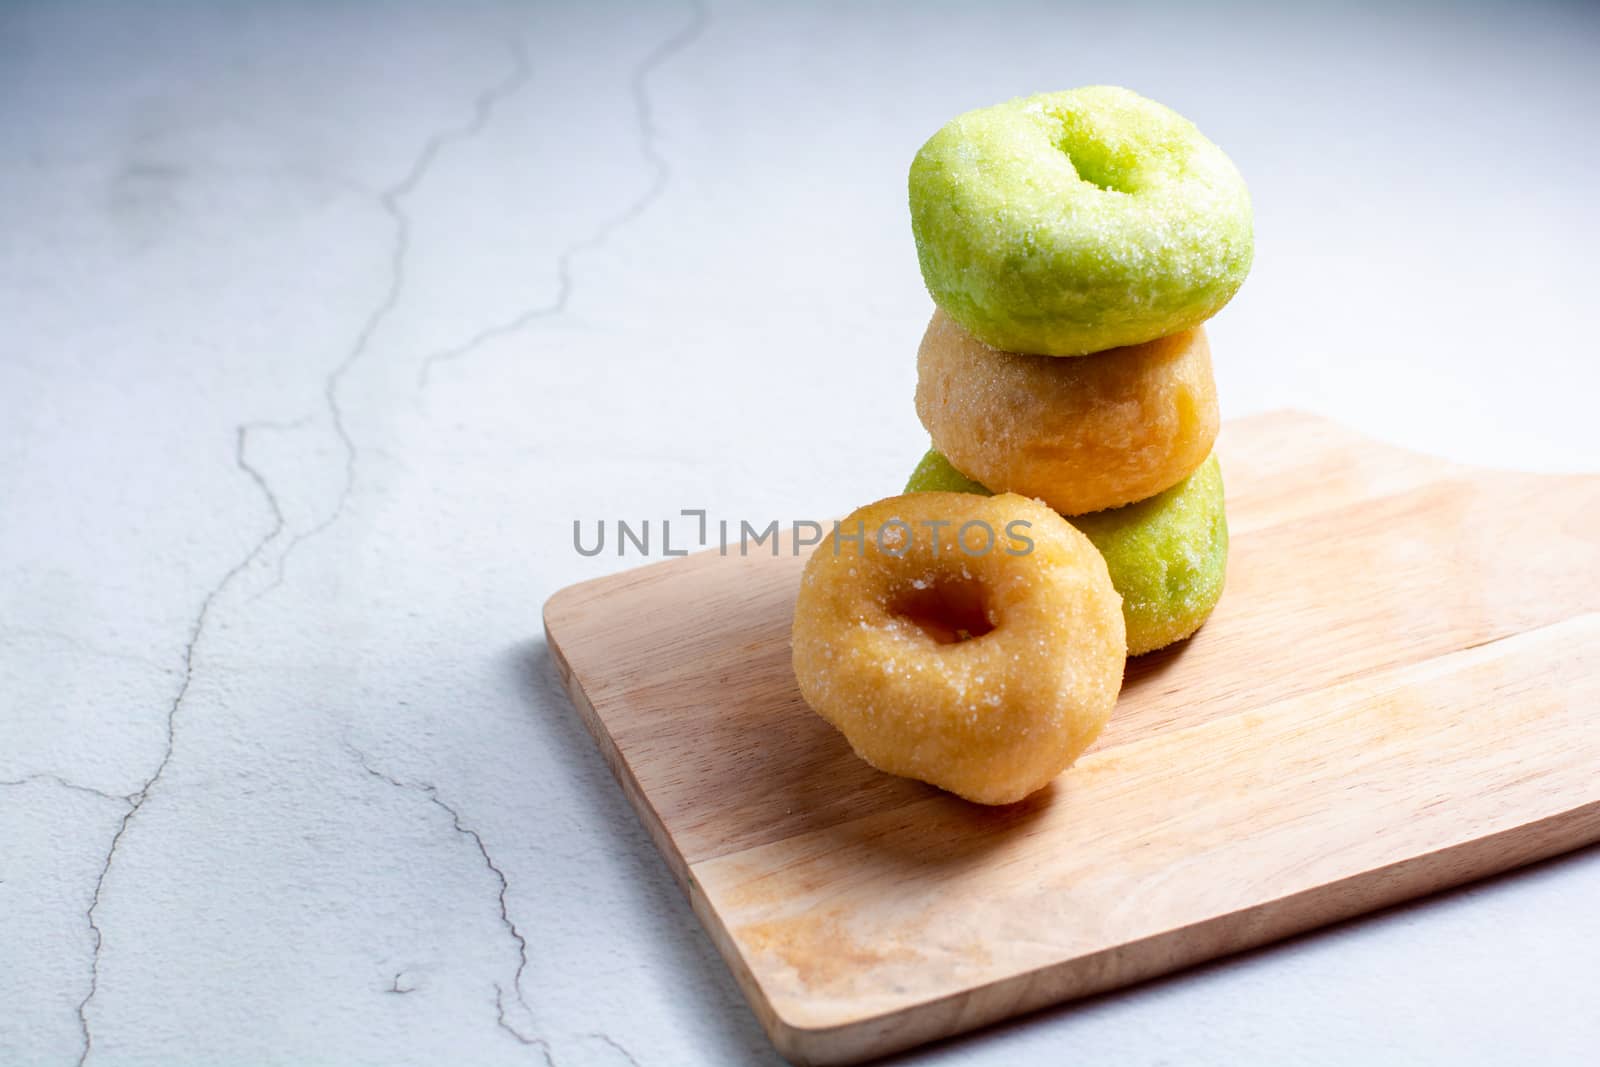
x: 614, y: 759
x: 1185, y: 947
x: 560, y: 604
x: 650, y: 819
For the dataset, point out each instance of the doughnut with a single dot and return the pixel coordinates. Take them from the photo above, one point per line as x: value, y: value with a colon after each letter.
x: 1072, y: 222
x: 1080, y: 434
x: 981, y: 663
x: 1167, y: 556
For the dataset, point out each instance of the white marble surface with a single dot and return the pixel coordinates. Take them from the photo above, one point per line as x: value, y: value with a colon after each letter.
x: 319, y: 324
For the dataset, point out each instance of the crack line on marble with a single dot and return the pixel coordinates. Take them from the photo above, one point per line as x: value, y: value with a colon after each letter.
x: 64, y: 783
x: 505, y: 1024
x: 614, y: 1043
x: 389, y: 200
x: 241, y: 447
x: 661, y: 176
x: 137, y: 798
x: 431, y: 793
x: 241, y: 440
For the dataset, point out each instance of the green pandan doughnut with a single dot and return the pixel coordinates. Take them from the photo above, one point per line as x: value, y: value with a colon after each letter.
x: 1073, y: 222
x: 1167, y: 555
x: 935, y: 474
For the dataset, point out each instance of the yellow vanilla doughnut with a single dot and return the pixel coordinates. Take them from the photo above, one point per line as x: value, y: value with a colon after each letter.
x: 975, y: 643
x: 1082, y: 434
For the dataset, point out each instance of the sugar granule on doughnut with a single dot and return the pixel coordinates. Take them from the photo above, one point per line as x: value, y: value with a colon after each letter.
x: 1167, y: 556
x: 1072, y: 222
x: 1080, y: 434
x: 977, y: 644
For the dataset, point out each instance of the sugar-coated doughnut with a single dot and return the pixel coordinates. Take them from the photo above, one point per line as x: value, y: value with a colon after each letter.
x: 1072, y: 222
x: 984, y: 671
x: 1080, y: 434
x: 1167, y: 556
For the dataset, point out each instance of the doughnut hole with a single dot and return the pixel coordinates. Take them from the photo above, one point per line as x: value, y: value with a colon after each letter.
x: 1082, y: 434
x: 947, y: 610
x: 1094, y: 157
x: 1167, y: 555
x: 982, y: 672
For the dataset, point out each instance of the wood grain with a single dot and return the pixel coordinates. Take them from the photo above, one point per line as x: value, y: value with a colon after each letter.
x: 1399, y: 692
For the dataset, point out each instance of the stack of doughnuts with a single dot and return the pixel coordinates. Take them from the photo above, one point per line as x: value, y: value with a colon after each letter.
x: 973, y: 632
x: 1074, y: 243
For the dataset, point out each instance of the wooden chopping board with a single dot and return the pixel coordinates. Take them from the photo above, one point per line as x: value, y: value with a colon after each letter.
x: 1399, y: 692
